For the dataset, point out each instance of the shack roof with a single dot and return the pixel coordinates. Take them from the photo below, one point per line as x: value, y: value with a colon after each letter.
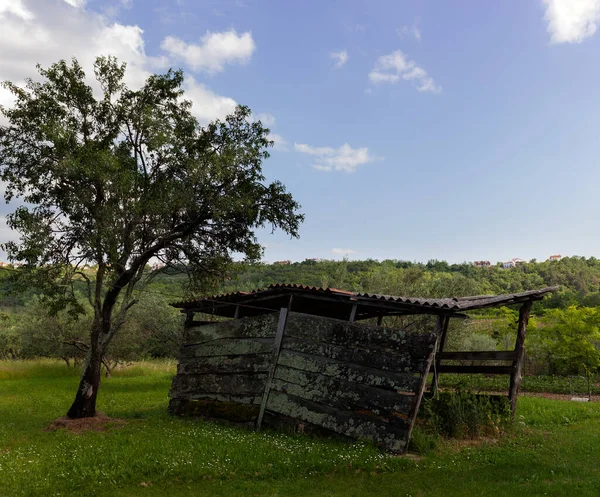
x: 341, y: 304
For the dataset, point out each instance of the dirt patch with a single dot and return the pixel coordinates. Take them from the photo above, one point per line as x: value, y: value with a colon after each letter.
x: 100, y: 422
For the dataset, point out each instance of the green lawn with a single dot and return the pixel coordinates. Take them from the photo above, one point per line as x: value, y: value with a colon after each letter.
x: 554, y: 450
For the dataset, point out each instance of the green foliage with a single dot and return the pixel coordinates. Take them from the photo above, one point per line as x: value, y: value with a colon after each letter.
x: 464, y: 414
x: 155, y: 454
x: 10, y: 338
x: 572, y: 339
x: 117, y: 181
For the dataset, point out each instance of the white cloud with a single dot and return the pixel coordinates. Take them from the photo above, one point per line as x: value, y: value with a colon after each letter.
x: 266, y: 119
x: 76, y: 3
x: 344, y: 158
x: 207, y: 105
x: 279, y: 142
x: 342, y: 252
x: 412, y: 31
x: 571, y: 21
x: 45, y: 32
x: 396, y: 66
x: 216, y: 50
x: 340, y: 58
x: 15, y: 8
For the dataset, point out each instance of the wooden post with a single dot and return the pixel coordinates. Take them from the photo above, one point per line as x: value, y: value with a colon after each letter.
x: 277, y: 348
x: 353, y: 313
x: 189, y: 318
x: 516, y: 375
x: 236, y: 315
x: 379, y: 320
x: 441, y: 327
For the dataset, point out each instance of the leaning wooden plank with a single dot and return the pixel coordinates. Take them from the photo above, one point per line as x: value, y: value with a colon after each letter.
x: 351, y: 424
x: 474, y: 369
x: 342, y: 394
x: 228, y: 347
x: 239, y: 384
x: 247, y: 363
x: 404, y: 363
x: 239, y: 412
x: 487, y: 355
x: 257, y: 327
x: 349, y: 372
x: 339, y: 332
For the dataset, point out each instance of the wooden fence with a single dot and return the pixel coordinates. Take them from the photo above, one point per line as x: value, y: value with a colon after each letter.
x: 357, y: 380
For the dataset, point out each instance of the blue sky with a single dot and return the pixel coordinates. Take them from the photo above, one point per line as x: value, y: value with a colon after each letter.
x: 407, y: 130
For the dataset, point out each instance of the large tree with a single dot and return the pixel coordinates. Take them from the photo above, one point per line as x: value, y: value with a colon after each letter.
x: 116, y: 178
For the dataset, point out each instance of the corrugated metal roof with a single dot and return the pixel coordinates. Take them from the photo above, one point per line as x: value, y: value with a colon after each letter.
x: 446, y: 304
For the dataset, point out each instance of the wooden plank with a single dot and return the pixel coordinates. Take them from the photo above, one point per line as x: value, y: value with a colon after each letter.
x: 247, y: 363
x: 487, y: 355
x: 227, y: 347
x: 353, y: 313
x: 441, y: 342
x: 515, y: 375
x: 352, y: 424
x: 263, y: 326
x: 220, y: 397
x: 409, y: 362
x: 230, y: 410
x: 446, y: 368
x: 349, y: 372
x: 441, y: 323
x: 341, y: 394
x: 283, y: 315
x: 234, y: 383
x: 338, y: 332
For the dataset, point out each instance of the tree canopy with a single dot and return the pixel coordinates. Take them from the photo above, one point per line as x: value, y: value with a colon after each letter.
x: 119, y: 177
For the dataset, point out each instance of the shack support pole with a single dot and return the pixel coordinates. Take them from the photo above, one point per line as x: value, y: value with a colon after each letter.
x: 276, y: 349
x: 442, y: 330
x: 353, y: 313
x: 516, y: 375
x: 439, y: 326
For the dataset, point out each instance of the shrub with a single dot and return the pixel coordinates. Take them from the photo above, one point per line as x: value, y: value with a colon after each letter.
x: 464, y: 414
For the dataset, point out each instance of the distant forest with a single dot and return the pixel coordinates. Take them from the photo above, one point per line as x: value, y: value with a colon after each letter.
x: 577, y: 277
x: 564, y: 336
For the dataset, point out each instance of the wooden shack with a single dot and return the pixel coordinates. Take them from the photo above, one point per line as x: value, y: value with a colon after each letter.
x: 305, y: 354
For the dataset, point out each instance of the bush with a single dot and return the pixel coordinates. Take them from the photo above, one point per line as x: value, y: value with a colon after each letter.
x: 464, y: 414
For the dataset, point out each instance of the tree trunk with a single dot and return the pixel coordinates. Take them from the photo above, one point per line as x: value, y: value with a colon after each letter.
x: 84, y: 405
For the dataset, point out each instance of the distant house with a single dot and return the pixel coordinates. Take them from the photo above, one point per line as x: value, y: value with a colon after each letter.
x: 556, y: 257
x: 283, y: 263
x: 482, y: 263
x: 3, y: 264
x: 512, y: 263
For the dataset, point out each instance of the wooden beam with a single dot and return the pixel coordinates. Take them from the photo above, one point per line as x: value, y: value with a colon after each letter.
x: 474, y: 369
x: 487, y: 355
x: 517, y: 367
x: 353, y: 313
x: 439, y: 326
x: 277, y: 348
x: 443, y: 330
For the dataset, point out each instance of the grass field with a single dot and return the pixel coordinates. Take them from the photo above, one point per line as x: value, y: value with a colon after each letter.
x: 553, y: 450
